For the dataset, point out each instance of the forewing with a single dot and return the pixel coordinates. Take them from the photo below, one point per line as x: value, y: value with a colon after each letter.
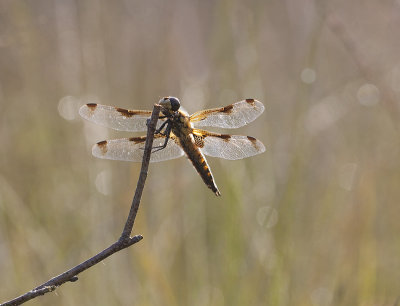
x: 132, y: 149
x: 231, y: 116
x: 117, y: 118
x: 227, y: 146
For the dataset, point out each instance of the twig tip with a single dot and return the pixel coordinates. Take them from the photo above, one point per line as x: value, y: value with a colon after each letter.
x: 137, y: 238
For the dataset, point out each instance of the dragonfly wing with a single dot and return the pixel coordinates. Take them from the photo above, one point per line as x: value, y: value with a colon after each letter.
x: 117, y: 118
x: 227, y: 146
x: 231, y: 116
x: 132, y: 149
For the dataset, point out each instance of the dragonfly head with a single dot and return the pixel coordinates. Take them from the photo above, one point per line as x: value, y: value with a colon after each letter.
x: 169, y: 104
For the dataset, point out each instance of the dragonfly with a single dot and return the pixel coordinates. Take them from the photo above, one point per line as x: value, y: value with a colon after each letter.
x: 178, y: 133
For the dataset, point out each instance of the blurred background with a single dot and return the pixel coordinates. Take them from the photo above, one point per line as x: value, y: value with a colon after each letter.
x: 312, y: 221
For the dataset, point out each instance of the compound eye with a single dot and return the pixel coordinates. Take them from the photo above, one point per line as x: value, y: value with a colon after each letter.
x: 175, y: 104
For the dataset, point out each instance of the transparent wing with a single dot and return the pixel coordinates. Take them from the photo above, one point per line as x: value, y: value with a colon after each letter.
x: 131, y: 149
x: 117, y: 118
x: 227, y: 146
x: 232, y: 116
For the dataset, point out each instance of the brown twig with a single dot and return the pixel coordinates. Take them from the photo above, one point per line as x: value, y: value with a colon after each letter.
x: 124, y: 241
x: 143, y: 174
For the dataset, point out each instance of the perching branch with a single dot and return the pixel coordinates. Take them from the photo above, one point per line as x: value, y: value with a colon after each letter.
x: 124, y: 241
x: 143, y: 173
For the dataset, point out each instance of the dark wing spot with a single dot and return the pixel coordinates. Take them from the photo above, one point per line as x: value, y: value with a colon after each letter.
x: 137, y: 139
x: 225, y: 137
x: 227, y: 109
x: 92, y: 106
x: 253, y: 141
x: 126, y: 112
x: 103, y: 146
x: 250, y: 101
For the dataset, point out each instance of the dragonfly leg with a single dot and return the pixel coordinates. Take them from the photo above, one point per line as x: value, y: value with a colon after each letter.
x: 161, y: 117
x: 167, y: 133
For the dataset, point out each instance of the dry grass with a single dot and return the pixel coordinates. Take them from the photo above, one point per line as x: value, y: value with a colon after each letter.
x: 313, y: 221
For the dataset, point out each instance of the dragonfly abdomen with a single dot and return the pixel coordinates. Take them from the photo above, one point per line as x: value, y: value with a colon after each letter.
x: 199, y: 162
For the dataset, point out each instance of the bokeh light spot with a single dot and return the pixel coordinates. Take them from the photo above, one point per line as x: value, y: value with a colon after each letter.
x: 368, y: 95
x: 103, y: 182
x: 395, y: 79
x: 324, y: 114
x: 68, y: 107
x: 347, y: 174
x: 308, y: 76
x: 246, y: 56
x: 321, y: 296
x: 267, y: 216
